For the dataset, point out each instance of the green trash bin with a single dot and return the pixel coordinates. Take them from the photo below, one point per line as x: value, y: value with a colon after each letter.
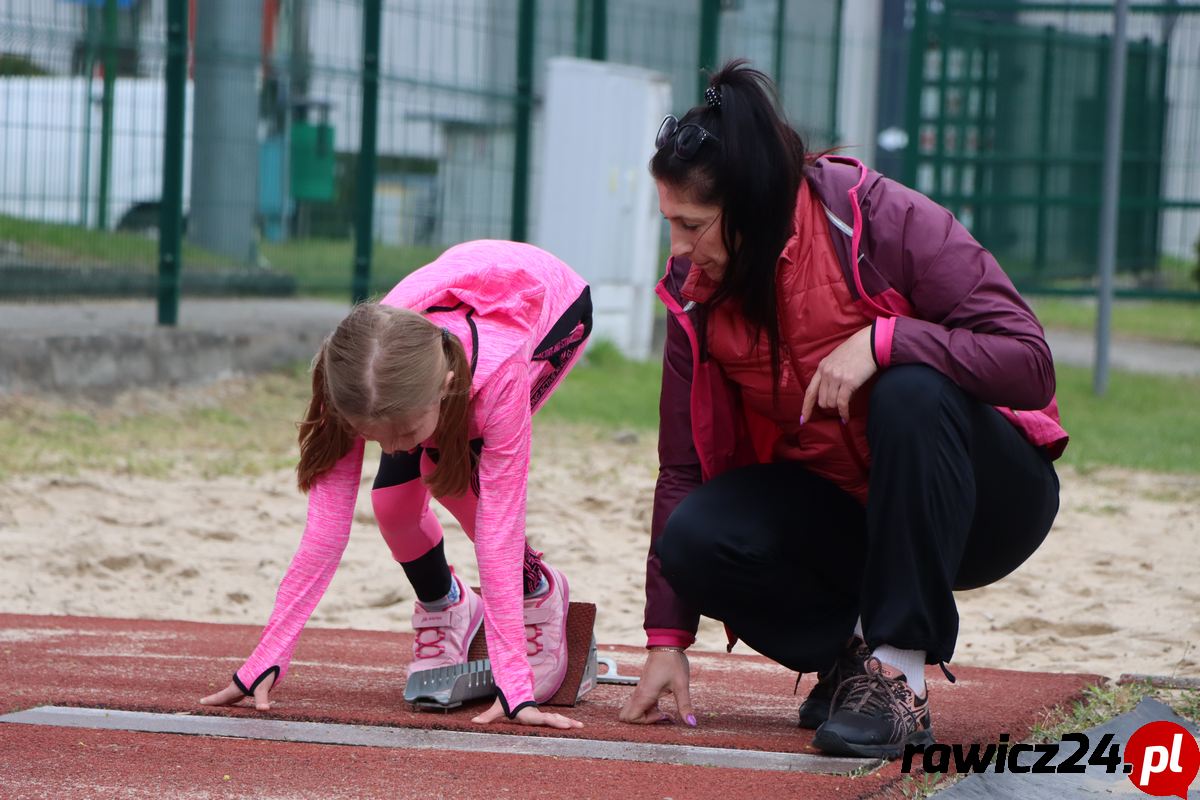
x: 312, y: 162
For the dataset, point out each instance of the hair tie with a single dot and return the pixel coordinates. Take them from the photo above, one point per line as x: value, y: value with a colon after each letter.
x: 712, y: 97
x: 445, y: 335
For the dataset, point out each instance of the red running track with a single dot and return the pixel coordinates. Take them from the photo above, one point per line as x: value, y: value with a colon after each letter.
x: 357, y: 677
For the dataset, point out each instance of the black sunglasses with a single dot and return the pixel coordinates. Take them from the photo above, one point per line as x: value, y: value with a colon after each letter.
x: 687, y: 138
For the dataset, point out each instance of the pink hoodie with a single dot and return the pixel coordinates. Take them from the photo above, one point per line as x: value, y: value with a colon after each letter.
x: 516, y: 292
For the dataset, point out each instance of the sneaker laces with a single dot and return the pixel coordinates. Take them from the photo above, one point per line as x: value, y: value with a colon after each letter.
x: 874, y: 693
x: 843, y: 669
x: 436, y: 644
x: 533, y: 636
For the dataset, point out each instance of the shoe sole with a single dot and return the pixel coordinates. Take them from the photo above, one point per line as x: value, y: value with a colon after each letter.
x: 812, y: 721
x: 834, y: 745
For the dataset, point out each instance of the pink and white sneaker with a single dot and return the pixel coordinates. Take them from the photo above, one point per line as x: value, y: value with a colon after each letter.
x: 546, y: 635
x: 443, y: 637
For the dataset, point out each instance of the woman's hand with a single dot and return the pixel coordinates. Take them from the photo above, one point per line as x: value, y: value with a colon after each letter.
x: 231, y: 695
x: 527, y: 716
x: 665, y: 671
x: 839, y: 376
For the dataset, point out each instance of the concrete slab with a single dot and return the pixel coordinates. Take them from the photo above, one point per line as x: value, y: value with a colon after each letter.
x: 100, y: 348
x: 461, y: 742
x: 1078, y: 349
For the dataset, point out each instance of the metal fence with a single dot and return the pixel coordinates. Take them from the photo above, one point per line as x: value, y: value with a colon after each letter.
x: 273, y: 128
x: 1007, y: 103
x: 1000, y: 115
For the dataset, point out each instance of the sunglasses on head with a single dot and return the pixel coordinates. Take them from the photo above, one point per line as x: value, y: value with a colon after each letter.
x: 687, y: 138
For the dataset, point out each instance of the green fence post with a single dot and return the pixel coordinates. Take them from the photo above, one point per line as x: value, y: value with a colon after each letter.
x: 526, y: 31
x: 599, y: 48
x: 913, y: 85
x: 836, y: 74
x: 1046, y: 110
x: 109, y: 55
x: 1156, y: 164
x: 89, y: 65
x: 780, y: 36
x: 710, y: 32
x: 591, y: 29
x: 364, y: 205
x: 170, y: 221
x: 941, y: 164
x: 581, y: 28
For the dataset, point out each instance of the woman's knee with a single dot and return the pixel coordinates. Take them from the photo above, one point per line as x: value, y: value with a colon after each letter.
x: 908, y: 387
x: 912, y: 397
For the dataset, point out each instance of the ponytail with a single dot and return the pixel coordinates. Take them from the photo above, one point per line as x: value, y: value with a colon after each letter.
x: 457, y: 463
x: 753, y: 173
x: 324, y: 436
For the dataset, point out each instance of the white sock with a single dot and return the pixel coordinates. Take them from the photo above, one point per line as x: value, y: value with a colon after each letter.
x: 910, y: 662
x: 858, y: 630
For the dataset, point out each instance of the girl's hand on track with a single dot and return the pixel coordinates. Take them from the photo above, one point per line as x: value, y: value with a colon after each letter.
x: 231, y: 695
x: 527, y: 716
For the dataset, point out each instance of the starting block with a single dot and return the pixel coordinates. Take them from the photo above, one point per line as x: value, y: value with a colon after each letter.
x: 449, y: 687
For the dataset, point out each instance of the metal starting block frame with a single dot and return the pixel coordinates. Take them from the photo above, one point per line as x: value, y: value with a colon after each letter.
x: 448, y: 688
x: 451, y: 686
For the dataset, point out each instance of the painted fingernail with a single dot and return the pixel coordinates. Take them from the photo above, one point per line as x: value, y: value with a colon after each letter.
x: 843, y: 420
x: 691, y: 720
x: 665, y: 720
x: 801, y: 419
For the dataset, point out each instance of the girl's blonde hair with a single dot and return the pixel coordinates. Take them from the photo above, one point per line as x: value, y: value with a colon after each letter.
x: 384, y: 364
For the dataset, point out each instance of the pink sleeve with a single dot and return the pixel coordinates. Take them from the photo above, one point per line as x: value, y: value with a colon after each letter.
x: 500, y: 527
x: 330, y: 514
x: 669, y: 637
x: 881, y: 344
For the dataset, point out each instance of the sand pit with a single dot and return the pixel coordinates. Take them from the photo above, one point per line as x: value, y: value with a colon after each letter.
x: 1114, y: 589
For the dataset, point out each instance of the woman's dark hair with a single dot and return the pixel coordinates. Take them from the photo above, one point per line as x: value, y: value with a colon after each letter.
x: 753, y: 173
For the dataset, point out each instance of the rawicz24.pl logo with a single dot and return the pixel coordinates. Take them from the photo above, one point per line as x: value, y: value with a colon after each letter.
x: 1161, y: 758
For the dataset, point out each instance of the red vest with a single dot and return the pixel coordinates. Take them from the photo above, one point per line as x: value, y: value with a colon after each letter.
x: 816, y: 314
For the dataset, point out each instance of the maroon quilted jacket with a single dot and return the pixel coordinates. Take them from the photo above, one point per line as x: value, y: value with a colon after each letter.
x: 936, y: 296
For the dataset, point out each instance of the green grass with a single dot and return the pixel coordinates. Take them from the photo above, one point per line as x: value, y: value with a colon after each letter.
x: 608, y: 389
x: 1100, y: 703
x: 326, y: 266
x: 1181, y: 273
x: 246, y: 427
x: 320, y: 266
x: 71, y: 245
x: 1143, y: 422
x: 243, y: 427
x: 1162, y: 320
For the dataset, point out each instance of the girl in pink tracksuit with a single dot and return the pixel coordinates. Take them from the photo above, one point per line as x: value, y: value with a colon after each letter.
x: 445, y: 374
